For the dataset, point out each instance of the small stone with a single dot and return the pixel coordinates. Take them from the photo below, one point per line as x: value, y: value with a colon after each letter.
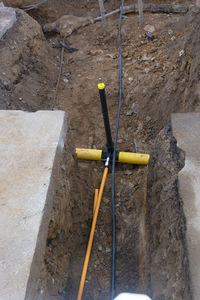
x: 170, y: 32
x: 106, y: 200
x: 112, y: 55
x: 99, y: 58
x: 67, y: 74
x: 100, y: 248
x: 148, y: 119
x: 63, y: 168
x: 128, y: 172
x: 66, y: 80
x: 134, y: 110
x: 4, y: 84
x: 173, y: 38
x: 129, y: 113
x: 108, y: 250
x: 125, y: 55
x: 90, y: 141
x: 95, y: 52
x: 149, y: 28
x: 181, y: 52
x: 131, y: 185
x: 146, y: 57
x: 130, y: 79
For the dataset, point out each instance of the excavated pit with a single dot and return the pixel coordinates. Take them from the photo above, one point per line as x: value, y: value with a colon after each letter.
x: 159, y: 77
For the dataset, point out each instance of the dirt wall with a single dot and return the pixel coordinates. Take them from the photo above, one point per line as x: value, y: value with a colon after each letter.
x: 28, y: 67
x: 68, y: 227
x: 53, y: 9
x: 166, y: 225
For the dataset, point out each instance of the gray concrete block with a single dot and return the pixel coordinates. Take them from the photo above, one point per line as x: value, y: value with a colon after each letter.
x: 186, y: 130
x: 31, y: 146
x: 7, y: 18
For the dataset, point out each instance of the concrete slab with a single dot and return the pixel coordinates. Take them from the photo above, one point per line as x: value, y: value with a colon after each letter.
x: 7, y: 18
x: 186, y: 130
x: 30, y: 149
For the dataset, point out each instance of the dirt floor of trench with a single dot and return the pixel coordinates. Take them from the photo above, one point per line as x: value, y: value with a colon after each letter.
x: 158, y: 77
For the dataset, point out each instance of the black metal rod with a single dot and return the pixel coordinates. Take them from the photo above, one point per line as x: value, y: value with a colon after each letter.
x: 106, y: 119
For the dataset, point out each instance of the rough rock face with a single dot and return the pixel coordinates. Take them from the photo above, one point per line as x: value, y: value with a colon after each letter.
x: 26, y: 61
x: 67, y: 24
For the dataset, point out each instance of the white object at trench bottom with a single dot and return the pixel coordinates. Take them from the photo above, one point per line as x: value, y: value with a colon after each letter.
x: 127, y: 296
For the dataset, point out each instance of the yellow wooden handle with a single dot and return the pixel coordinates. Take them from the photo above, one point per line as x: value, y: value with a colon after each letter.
x: 134, y: 158
x: 90, y: 154
x: 124, y: 157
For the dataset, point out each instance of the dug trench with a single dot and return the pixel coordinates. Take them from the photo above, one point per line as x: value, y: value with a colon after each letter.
x: 159, y: 77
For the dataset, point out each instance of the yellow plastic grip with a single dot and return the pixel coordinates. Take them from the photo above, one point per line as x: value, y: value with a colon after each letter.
x: 134, y: 158
x: 90, y: 154
x: 101, y: 86
x: 124, y: 157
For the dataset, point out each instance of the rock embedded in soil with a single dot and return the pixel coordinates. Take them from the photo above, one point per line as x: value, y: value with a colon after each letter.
x: 149, y: 28
x: 66, y: 25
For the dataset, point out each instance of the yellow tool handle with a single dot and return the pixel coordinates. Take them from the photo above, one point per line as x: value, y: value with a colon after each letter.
x: 133, y: 158
x: 95, y: 199
x: 124, y: 157
x: 90, y: 154
x: 94, y: 221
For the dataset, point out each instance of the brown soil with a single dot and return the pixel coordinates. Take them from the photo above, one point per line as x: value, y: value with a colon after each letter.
x: 159, y: 77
